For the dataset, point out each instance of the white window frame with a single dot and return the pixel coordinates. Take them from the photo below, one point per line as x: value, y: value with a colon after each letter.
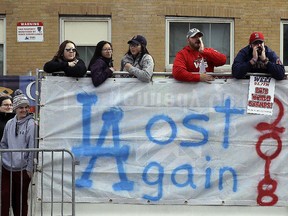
x: 230, y: 21
x: 282, y: 23
x: 4, y: 45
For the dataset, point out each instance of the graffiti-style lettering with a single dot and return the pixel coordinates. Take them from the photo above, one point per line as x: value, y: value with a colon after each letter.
x: 221, y: 176
x: 153, y: 174
x: 153, y: 121
x: 189, y: 181
x: 111, y: 119
x: 181, y: 172
x: 208, y: 172
x: 158, y: 181
x: 267, y: 186
x: 228, y: 111
x: 186, y: 122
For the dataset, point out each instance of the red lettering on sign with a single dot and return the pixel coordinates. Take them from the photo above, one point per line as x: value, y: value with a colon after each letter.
x: 267, y: 186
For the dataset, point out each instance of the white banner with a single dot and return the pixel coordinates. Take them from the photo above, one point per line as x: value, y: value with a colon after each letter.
x: 167, y: 142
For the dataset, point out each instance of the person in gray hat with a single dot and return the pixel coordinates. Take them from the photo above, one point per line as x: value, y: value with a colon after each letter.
x: 17, y: 166
x: 137, y: 61
x: 194, y: 60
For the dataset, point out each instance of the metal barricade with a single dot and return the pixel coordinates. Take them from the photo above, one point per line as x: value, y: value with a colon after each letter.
x: 46, y: 195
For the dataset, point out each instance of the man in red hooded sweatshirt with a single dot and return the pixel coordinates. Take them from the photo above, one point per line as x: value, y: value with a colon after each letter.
x: 194, y: 60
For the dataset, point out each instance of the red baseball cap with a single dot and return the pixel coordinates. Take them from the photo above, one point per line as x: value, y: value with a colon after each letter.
x: 256, y: 36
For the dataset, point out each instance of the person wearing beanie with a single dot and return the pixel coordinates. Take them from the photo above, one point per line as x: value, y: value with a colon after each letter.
x: 18, y: 134
x: 256, y: 57
x: 66, y: 59
x: 6, y: 111
x: 101, y: 64
x: 137, y: 61
x: 194, y: 60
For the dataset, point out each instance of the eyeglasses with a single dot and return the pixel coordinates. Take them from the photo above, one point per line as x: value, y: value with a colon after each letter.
x: 134, y: 45
x: 71, y: 49
x: 7, y: 105
x: 107, y: 50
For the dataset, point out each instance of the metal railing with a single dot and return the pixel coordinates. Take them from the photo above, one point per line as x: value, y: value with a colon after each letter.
x: 166, y: 74
x: 52, y: 168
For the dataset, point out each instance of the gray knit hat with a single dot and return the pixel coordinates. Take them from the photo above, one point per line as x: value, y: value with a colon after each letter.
x: 19, y: 99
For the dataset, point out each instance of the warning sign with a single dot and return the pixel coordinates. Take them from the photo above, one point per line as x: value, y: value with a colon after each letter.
x: 30, y: 32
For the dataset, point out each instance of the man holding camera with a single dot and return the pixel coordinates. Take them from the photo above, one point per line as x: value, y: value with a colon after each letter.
x: 257, y: 58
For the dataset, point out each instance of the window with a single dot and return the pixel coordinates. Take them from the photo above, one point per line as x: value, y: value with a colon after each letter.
x: 284, y: 43
x: 2, y: 46
x: 218, y: 34
x: 85, y: 32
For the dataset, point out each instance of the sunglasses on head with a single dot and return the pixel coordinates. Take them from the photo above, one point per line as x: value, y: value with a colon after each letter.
x: 71, y: 49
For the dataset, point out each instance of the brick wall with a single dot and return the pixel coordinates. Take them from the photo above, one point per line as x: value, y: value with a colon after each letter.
x: 130, y: 17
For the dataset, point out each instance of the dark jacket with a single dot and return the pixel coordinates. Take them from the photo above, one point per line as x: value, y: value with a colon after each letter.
x: 4, y: 117
x: 100, y: 70
x: 241, y: 65
x: 79, y: 70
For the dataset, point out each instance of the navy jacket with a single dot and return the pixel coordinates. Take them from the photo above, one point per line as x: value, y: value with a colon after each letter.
x: 241, y: 65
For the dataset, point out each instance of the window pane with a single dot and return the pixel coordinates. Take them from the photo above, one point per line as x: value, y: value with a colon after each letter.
x: 1, y: 60
x: 285, y: 43
x: 177, y: 37
x: 220, y: 39
x: 1, y: 31
x: 216, y: 35
x: 86, y: 53
x: 2, y: 41
x: 86, y: 33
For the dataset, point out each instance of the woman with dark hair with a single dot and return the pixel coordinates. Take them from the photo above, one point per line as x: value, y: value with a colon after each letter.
x: 137, y: 61
x: 67, y: 60
x: 101, y: 64
x: 6, y: 111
